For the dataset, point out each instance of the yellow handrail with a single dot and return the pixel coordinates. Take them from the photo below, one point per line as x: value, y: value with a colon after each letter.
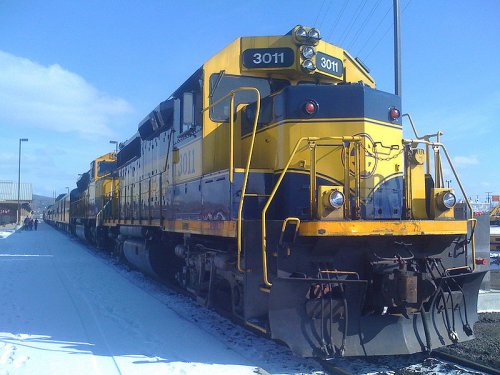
x: 231, y: 94
x: 470, y: 219
x: 311, y: 141
x: 473, y: 223
x: 436, y: 144
x: 296, y: 220
x: 97, y: 222
x: 312, y: 179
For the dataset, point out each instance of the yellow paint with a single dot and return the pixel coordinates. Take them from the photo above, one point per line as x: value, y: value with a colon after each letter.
x: 110, y: 156
x: 438, y: 211
x: 216, y: 134
x: 274, y: 145
x: 416, y: 181
x: 378, y: 228
x: 189, y: 163
x: 209, y: 228
x: 325, y: 210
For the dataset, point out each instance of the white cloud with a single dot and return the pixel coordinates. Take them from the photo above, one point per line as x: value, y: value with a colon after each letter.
x: 52, y: 98
x: 465, y: 160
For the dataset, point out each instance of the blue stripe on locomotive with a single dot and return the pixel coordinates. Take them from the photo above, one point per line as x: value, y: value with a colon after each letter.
x: 334, y: 102
x: 339, y: 101
x: 292, y: 198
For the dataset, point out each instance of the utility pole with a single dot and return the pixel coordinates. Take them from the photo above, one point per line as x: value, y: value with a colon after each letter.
x: 448, y: 182
x: 488, y: 198
x: 397, y: 49
x: 19, y: 181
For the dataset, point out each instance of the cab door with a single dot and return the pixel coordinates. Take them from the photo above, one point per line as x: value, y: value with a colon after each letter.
x: 186, y: 157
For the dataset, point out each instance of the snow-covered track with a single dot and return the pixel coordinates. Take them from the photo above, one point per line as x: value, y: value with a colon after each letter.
x: 465, y: 362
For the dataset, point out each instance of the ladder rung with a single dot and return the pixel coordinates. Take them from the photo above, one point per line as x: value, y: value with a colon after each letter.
x: 256, y: 195
x: 256, y: 326
x: 265, y: 289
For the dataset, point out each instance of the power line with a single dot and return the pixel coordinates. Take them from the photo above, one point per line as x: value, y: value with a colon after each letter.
x: 325, y: 13
x: 364, y: 23
x: 375, y: 30
x: 319, y: 12
x: 338, y: 19
x: 385, y: 33
x: 357, y: 12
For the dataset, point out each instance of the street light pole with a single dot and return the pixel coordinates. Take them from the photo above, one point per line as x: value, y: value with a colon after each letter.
x: 19, y: 181
x: 116, y: 145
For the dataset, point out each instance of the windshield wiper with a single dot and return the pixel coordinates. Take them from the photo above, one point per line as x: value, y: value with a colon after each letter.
x: 216, y: 84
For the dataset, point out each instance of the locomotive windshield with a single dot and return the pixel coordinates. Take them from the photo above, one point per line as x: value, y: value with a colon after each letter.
x: 105, y: 167
x: 227, y: 83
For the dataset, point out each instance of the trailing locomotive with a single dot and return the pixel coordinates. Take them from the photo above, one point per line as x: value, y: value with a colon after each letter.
x: 275, y: 184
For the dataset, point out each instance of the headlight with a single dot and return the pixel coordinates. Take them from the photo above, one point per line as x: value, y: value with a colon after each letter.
x: 314, y: 34
x: 308, y: 52
x: 336, y: 199
x: 300, y: 34
x: 308, y: 66
x: 448, y: 200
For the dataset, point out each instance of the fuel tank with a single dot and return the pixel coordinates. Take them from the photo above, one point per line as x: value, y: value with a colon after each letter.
x: 147, y: 256
x: 80, y: 232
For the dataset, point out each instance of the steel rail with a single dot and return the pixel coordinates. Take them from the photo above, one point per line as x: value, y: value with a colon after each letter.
x: 465, y: 362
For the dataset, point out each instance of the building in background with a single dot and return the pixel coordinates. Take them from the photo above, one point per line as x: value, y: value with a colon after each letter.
x: 8, y: 201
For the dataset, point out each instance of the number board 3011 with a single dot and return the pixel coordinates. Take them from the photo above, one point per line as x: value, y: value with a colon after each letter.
x: 268, y: 58
x: 329, y: 64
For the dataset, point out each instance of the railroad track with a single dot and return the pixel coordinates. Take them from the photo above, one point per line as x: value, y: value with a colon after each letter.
x: 465, y: 362
x: 436, y: 363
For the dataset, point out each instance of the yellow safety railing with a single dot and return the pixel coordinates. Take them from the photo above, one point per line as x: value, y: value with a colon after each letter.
x: 312, y: 143
x: 232, y: 94
x: 438, y: 175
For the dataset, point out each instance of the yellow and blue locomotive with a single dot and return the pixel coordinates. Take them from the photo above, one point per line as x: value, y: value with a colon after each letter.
x: 275, y: 184
x: 58, y: 213
x: 91, y: 197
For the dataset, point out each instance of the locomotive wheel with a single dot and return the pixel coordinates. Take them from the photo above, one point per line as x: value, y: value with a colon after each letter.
x: 222, y: 296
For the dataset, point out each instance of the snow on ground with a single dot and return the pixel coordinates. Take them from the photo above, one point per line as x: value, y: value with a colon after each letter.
x: 68, y: 309
x: 5, y: 233
x: 64, y: 310
x: 494, y: 229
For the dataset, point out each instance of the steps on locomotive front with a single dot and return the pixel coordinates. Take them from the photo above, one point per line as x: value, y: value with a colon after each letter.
x: 257, y: 324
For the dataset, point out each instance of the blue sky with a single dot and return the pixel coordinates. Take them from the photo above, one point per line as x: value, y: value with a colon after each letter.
x: 76, y: 74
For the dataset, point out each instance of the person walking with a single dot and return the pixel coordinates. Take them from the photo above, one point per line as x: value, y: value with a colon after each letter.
x: 36, y: 224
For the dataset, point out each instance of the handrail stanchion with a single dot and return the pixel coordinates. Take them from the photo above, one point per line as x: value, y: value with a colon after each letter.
x: 231, y: 94
x: 277, y: 185
x: 312, y: 183
x: 470, y: 213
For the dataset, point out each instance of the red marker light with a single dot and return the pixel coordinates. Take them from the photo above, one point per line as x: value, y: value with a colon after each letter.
x: 310, y: 107
x: 481, y: 261
x: 394, y: 113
